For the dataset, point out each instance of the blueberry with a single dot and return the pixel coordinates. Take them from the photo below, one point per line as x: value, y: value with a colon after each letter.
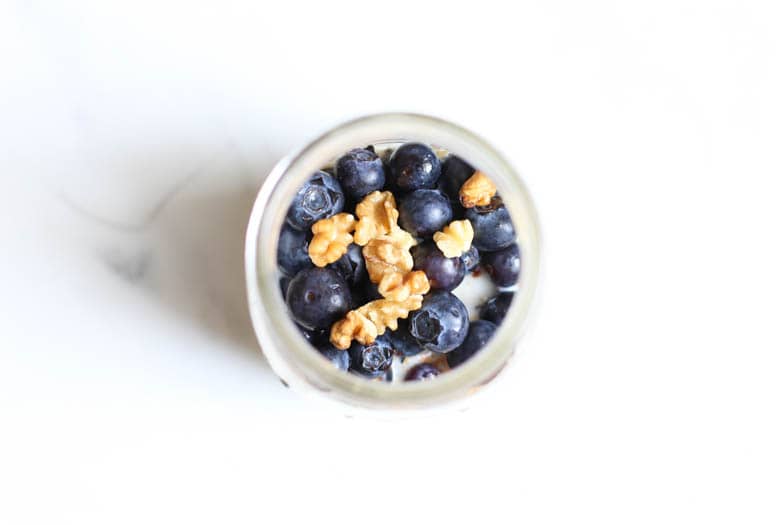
x: 422, y: 371
x: 503, y: 265
x: 365, y: 292
x: 339, y: 358
x: 444, y: 273
x: 318, y: 297
x: 309, y: 335
x: 424, y: 212
x: 493, y: 228
x: 292, y: 251
x: 351, y: 266
x: 496, y: 308
x: 388, y: 377
x: 284, y: 283
x: 414, y: 166
x: 314, y: 337
x: 372, y: 292
x: 454, y: 172
x: 402, y: 341
x: 373, y: 359
x: 360, y: 172
x: 441, y: 324
x: 321, y: 196
x: 479, y: 334
x: 470, y: 259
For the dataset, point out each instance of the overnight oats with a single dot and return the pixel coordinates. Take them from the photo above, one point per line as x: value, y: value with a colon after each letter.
x: 397, y: 262
x: 374, y: 254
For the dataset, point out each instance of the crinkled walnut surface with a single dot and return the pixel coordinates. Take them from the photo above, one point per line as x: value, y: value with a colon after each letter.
x: 377, y: 215
x: 389, y: 254
x: 331, y: 238
x: 372, y: 320
x: 355, y: 325
x: 385, y: 313
x: 454, y: 239
x: 477, y: 190
x: 397, y: 287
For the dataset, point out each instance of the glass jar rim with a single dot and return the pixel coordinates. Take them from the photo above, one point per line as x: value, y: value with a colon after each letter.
x: 290, y: 355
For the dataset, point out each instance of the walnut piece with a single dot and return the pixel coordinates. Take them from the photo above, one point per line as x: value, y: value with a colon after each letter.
x: 477, y: 190
x: 355, y: 325
x: 388, y: 254
x: 372, y: 320
x: 331, y: 238
x: 398, y: 287
x: 454, y: 239
x: 385, y: 313
x: 377, y: 215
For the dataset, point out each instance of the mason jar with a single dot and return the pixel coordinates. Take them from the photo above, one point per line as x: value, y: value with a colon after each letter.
x: 291, y: 357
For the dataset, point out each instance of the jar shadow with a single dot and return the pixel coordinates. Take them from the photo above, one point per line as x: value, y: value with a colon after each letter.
x: 199, y: 242
x: 184, y: 248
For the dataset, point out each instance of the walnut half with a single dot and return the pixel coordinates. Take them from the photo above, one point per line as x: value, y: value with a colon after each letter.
x: 398, y: 287
x: 371, y: 320
x: 455, y: 239
x: 355, y: 325
x: 389, y: 254
x: 477, y: 190
x: 377, y: 215
x: 331, y: 238
x: 385, y: 313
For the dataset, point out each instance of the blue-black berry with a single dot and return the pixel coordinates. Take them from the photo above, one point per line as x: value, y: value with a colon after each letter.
x: 414, y: 166
x: 422, y: 372
x: 495, y: 309
x: 471, y: 259
x: 284, y: 283
x: 318, y: 297
x: 441, y: 324
x: 360, y: 171
x: 321, y: 196
x: 371, y: 360
x: 314, y: 337
x: 493, y: 228
x: 503, y: 265
x: 444, y: 273
x: 351, y: 266
x: 365, y: 292
x: 402, y: 341
x: 454, y: 172
x: 480, y: 332
x: 292, y: 250
x: 339, y: 358
x: 424, y: 212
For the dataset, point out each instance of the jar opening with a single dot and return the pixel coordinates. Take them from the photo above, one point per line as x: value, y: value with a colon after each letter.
x: 289, y: 353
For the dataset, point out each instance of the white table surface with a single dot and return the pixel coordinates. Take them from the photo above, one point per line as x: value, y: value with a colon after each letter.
x: 134, y: 136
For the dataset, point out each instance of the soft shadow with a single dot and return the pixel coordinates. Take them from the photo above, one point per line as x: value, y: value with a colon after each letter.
x: 198, y: 237
x: 180, y: 237
x: 199, y: 246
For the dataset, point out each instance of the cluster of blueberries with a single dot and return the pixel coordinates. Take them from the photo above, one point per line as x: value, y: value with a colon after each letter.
x: 427, y: 191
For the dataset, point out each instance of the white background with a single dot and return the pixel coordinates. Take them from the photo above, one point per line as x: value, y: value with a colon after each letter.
x: 134, y: 135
